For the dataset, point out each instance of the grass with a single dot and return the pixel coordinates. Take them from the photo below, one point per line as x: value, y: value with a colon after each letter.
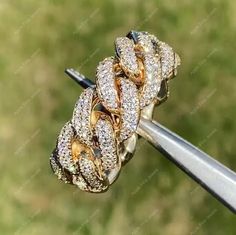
x: 40, y: 39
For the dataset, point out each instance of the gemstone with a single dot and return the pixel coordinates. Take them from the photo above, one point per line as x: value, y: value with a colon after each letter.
x: 89, y: 172
x: 146, y: 42
x: 152, y: 69
x: 79, y: 181
x: 57, y: 169
x: 126, y: 53
x: 129, y: 108
x: 81, y: 116
x: 64, y: 147
x: 167, y: 60
x: 107, y: 144
x: 105, y: 82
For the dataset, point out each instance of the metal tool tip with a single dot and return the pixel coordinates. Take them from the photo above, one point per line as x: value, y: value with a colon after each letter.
x: 79, y: 78
x: 74, y: 74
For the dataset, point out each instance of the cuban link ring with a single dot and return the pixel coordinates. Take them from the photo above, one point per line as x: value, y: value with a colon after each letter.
x: 101, y: 136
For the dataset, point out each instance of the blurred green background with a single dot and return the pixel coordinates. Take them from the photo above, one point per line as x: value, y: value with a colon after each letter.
x: 38, y: 40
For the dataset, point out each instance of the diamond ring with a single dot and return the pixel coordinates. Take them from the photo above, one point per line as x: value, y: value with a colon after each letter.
x: 101, y: 136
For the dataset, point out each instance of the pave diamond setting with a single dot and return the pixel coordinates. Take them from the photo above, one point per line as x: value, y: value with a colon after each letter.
x: 79, y: 181
x: 101, y: 135
x: 152, y: 67
x: 129, y: 108
x: 146, y: 42
x: 58, y: 170
x: 89, y: 171
x: 126, y: 53
x: 105, y: 82
x: 64, y: 147
x: 107, y: 143
x: 81, y: 116
x: 167, y: 60
x: 152, y: 80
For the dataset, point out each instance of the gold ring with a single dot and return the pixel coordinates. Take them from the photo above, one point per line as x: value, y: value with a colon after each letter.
x: 101, y: 135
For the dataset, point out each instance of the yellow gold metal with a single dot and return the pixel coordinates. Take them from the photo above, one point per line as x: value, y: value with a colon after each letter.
x: 104, y: 157
x: 77, y: 148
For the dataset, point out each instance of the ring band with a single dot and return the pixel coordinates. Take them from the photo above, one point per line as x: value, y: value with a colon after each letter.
x: 101, y: 135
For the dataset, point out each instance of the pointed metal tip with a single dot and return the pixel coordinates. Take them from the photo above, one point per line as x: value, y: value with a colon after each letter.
x: 133, y: 35
x: 74, y: 74
x: 79, y: 78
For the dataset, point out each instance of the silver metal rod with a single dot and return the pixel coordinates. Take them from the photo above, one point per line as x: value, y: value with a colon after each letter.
x: 79, y: 78
x: 216, y: 178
